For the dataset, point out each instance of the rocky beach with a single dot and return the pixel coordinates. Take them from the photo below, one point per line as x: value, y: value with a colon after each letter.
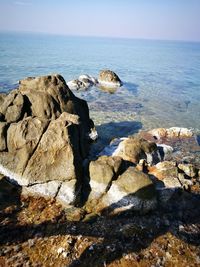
x: 74, y: 193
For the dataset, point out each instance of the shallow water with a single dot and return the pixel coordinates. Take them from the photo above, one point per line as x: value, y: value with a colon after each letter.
x: 161, y: 78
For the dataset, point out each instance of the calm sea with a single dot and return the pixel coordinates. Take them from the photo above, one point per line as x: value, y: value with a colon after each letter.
x: 161, y: 78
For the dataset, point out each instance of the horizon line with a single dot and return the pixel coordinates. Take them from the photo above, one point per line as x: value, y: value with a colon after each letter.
x: 99, y: 36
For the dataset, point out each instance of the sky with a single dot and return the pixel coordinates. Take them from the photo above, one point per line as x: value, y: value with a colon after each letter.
x: 148, y: 19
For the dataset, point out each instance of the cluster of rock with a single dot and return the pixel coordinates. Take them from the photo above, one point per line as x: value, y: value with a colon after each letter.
x: 45, y: 136
x: 107, y: 78
x: 136, y: 173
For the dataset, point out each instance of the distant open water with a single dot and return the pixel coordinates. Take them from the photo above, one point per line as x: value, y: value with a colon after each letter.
x: 161, y: 78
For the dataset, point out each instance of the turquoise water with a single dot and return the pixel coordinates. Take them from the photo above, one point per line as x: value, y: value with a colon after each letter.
x: 161, y: 78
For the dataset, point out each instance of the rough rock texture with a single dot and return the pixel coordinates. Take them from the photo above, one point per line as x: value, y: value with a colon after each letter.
x: 162, y: 157
x: 12, y: 107
x: 3, y: 128
x: 109, y: 78
x: 45, y: 135
x: 131, y: 149
x: 115, y: 186
x: 102, y: 172
x: 132, y: 190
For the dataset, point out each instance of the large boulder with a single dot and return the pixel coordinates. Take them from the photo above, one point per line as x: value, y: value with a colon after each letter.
x: 109, y: 78
x: 132, y: 190
x: 117, y: 186
x: 45, y: 137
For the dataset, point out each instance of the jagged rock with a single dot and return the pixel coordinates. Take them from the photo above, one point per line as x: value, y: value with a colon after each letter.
x: 12, y: 107
x: 166, y: 178
x: 2, y: 98
x: 164, y: 169
x: 22, y: 139
x: 109, y: 78
x: 188, y: 169
x: 132, y: 190
x: 131, y: 149
x: 101, y: 172
x: 3, y: 128
x: 63, y: 101
x: 47, y: 139
x: 57, y: 154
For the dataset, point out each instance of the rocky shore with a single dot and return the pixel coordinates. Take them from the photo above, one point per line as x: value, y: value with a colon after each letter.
x: 135, y: 203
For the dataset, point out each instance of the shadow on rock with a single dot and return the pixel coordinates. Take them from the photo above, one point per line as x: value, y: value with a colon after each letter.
x: 10, y: 202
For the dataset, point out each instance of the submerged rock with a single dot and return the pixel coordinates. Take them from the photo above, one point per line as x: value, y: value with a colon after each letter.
x: 45, y: 137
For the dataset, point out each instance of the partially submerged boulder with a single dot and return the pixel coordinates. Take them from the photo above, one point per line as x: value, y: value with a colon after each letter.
x: 109, y: 78
x: 82, y: 83
x: 45, y: 136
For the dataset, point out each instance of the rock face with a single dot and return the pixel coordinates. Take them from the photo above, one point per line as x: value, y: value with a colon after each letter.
x: 109, y: 78
x: 131, y: 149
x: 132, y: 190
x: 44, y: 137
x: 114, y: 193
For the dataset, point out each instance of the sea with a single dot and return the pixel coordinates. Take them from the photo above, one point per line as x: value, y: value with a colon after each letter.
x: 161, y: 79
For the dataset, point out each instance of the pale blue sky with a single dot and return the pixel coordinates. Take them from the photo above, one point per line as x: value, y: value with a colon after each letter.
x: 151, y: 19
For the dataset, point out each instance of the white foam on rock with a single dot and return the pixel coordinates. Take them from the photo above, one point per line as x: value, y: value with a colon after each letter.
x: 13, y: 177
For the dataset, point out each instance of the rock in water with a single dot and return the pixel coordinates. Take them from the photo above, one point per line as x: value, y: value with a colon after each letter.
x: 109, y: 78
x: 45, y: 134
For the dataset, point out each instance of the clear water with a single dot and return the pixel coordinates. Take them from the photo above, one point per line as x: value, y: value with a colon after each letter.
x: 161, y: 78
